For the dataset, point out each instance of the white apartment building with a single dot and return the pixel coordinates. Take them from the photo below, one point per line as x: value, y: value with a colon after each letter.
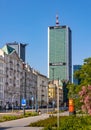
x: 2, y: 79
x: 18, y: 80
x: 29, y: 83
x: 12, y: 70
x: 42, y: 90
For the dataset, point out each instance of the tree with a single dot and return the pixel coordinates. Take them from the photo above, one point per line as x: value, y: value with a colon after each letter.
x: 84, y: 74
x: 73, y: 94
x: 85, y: 98
x: 71, y: 90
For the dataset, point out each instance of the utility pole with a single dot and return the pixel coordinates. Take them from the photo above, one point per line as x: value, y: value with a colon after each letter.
x: 58, y: 104
x: 57, y: 64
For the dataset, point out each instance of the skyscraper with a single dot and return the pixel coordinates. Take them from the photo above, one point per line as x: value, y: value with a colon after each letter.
x: 20, y: 49
x: 59, y: 52
x: 75, y: 68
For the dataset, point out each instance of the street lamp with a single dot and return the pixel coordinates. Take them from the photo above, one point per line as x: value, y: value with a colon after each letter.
x: 57, y: 64
x: 47, y: 99
x: 58, y: 104
x: 13, y: 101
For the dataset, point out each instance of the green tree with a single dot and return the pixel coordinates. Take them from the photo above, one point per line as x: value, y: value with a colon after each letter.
x: 71, y: 90
x: 84, y: 74
x: 73, y: 94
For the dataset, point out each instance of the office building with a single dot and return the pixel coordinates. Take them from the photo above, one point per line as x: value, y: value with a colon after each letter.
x: 75, y: 68
x: 20, y: 49
x: 59, y: 52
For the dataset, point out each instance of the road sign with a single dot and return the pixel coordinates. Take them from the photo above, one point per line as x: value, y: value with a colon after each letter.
x: 32, y: 98
x: 57, y: 64
x: 23, y: 103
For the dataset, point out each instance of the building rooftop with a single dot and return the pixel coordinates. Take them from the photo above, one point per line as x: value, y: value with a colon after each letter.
x: 7, y: 49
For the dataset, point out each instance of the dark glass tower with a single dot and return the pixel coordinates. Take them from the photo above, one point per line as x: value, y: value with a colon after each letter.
x: 75, y: 68
x: 20, y: 49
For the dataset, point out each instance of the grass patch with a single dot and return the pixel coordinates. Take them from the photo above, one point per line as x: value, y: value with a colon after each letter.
x: 65, y: 123
x: 14, y: 117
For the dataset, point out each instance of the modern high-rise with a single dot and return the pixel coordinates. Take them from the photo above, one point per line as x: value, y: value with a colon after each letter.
x: 75, y: 68
x: 20, y: 49
x: 59, y: 52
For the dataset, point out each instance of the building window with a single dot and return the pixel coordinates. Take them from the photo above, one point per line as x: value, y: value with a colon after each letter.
x: 1, y: 64
x: 1, y: 95
x: 1, y: 71
x: 11, y: 81
x: 1, y: 79
x: 1, y: 87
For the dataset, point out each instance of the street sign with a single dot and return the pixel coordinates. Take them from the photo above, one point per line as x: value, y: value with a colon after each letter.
x: 57, y: 64
x: 32, y: 98
x: 23, y: 103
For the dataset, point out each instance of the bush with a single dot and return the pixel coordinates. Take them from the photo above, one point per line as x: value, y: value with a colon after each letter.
x: 14, y: 117
x: 66, y: 123
x: 51, y: 121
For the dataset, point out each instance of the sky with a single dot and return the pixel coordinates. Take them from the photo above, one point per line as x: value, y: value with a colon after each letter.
x: 27, y: 21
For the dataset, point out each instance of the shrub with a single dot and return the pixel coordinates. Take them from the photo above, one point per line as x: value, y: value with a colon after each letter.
x: 66, y: 123
x: 14, y: 117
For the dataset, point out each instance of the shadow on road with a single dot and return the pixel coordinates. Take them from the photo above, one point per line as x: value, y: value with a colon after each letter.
x: 4, y: 128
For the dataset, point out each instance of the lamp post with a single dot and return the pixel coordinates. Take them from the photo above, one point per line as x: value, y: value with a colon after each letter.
x: 13, y: 102
x: 57, y: 64
x: 47, y: 99
x: 36, y: 104
x: 58, y: 104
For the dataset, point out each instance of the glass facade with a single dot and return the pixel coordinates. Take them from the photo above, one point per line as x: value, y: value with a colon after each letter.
x: 75, y: 68
x: 20, y: 49
x: 59, y: 53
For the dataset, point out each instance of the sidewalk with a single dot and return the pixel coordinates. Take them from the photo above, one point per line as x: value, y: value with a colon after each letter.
x: 21, y: 124
x: 21, y: 128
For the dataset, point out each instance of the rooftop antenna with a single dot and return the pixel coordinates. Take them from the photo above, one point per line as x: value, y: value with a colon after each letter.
x: 57, y: 22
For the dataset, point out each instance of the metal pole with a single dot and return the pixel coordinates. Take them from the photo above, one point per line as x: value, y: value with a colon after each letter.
x: 58, y: 104
x: 12, y: 105
x: 36, y: 104
x: 47, y: 100
x: 12, y: 102
x: 32, y: 104
x: 23, y: 110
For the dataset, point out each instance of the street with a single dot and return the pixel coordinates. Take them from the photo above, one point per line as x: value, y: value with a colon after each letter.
x: 21, y: 124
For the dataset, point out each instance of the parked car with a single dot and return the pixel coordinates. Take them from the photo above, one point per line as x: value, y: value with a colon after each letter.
x: 63, y: 108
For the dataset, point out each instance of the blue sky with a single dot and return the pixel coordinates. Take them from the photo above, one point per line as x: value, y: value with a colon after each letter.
x: 27, y: 21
